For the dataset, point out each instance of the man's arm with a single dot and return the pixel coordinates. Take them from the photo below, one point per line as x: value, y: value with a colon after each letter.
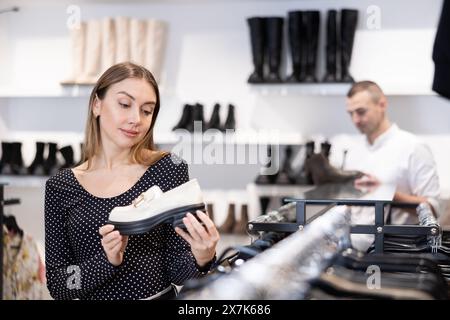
x: 423, y: 179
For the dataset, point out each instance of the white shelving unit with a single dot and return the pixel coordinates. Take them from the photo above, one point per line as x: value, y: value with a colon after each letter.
x: 24, y: 181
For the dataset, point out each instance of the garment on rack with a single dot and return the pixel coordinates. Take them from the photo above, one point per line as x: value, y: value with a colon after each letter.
x: 23, y: 269
x: 399, y: 276
x: 441, y: 53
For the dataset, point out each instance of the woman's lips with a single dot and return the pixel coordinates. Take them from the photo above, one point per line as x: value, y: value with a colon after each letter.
x: 129, y: 133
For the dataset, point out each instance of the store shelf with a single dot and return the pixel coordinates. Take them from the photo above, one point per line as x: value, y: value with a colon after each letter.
x: 58, y: 91
x: 278, y: 190
x: 287, y: 89
x: 66, y: 91
x: 328, y: 89
x: 24, y: 181
x: 240, y: 137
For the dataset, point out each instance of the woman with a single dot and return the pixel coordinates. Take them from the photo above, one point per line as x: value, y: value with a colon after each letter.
x: 85, y: 257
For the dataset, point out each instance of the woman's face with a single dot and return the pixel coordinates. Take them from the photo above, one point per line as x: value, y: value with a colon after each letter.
x: 126, y: 112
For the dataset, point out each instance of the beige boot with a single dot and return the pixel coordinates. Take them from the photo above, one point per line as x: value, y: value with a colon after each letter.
x: 108, y: 44
x: 228, y: 225
x: 77, y: 43
x: 241, y: 226
x: 92, y: 52
x: 122, y: 39
x: 156, y: 45
x: 138, y: 30
x: 210, y: 211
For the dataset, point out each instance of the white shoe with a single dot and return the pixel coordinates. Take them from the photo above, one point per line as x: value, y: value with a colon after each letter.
x: 154, y: 207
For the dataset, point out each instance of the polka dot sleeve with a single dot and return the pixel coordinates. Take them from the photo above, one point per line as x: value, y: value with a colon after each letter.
x: 180, y: 261
x: 67, y: 278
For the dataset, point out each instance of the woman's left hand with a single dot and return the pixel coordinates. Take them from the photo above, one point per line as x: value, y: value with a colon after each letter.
x: 203, y: 239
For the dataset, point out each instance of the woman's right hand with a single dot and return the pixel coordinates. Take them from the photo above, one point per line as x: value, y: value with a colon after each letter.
x: 113, y: 243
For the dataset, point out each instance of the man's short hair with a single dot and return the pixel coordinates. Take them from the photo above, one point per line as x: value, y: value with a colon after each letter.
x: 374, y: 89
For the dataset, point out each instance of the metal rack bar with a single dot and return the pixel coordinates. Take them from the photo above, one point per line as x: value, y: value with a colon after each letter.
x: 379, y: 229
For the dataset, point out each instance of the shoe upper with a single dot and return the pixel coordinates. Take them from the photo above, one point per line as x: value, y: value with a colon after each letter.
x: 153, y: 202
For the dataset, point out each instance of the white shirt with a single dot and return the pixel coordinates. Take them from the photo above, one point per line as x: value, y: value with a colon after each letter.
x: 396, y: 157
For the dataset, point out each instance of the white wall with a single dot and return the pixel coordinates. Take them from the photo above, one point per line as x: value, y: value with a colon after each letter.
x: 208, y: 60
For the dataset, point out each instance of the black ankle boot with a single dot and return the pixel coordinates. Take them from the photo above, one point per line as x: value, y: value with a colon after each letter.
x: 325, y: 148
x: 258, y: 43
x: 264, y: 203
x: 197, y: 120
x: 304, y: 177
x: 67, y: 153
x: 230, y: 121
x: 349, y: 20
x: 296, y: 36
x: 186, y: 118
x: 312, y: 23
x: 286, y: 176
x: 50, y: 164
x: 265, y: 178
x: 214, y: 122
x: 331, y: 48
x: 274, y: 31
x: 5, y: 162
x: 37, y: 166
x: 16, y: 159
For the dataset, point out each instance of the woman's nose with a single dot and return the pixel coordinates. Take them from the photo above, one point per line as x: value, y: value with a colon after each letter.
x: 134, y: 116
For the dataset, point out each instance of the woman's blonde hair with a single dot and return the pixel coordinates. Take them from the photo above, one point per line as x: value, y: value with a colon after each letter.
x: 144, y: 152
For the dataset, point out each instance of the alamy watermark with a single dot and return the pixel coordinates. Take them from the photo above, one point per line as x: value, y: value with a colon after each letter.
x: 374, y: 279
x: 232, y: 147
x: 373, y: 21
x: 74, y: 280
x: 74, y: 19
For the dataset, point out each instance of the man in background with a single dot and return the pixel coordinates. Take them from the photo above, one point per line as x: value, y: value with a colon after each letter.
x: 389, y: 155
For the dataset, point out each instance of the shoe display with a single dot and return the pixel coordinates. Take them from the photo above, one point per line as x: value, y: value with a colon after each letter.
x: 230, y: 121
x: 108, y: 34
x: 210, y: 211
x: 230, y: 220
x: 323, y: 172
x: 331, y: 47
x: 154, y: 207
x: 122, y: 39
x: 311, y: 24
x: 304, y: 177
x: 78, y: 56
x: 257, y: 28
x: 37, y: 166
x: 197, y: 119
x: 286, y: 176
x: 349, y: 20
x: 297, y: 44
x: 155, y: 46
x: 214, y: 122
x: 5, y: 162
x: 274, y: 32
x: 67, y: 153
x: 325, y: 148
x: 16, y: 159
x: 186, y: 117
x: 51, y: 163
x: 265, y: 178
x: 241, y: 225
x: 92, y: 53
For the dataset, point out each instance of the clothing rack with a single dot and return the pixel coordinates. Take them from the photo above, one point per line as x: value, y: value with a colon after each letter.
x: 285, y: 273
x: 379, y: 229
x: 3, y: 203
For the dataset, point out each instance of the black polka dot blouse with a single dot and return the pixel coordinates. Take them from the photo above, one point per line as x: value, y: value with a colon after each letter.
x: 76, y: 264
